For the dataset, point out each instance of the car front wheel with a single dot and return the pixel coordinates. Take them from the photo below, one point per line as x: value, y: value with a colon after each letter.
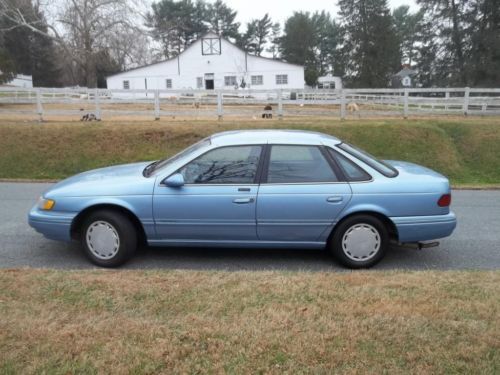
x: 108, y: 238
x: 360, y: 241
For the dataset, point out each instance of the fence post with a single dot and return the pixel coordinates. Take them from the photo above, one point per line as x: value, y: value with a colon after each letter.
x: 220, y: 108
x: 405, y: 105
x: 97, y: 105
x: 466, y: 101
x: 342, y: 104
x: 280, y: 104
x: 446, y: 100
x: 39, y: 107
x: 157, y: 105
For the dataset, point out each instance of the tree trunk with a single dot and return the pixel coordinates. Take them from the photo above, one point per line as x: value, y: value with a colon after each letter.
x: 456, y: 38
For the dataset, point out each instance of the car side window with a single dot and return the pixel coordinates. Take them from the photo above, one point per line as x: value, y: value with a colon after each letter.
x: 225, y: 165
x: 298, y: 164
x: 351, y: 170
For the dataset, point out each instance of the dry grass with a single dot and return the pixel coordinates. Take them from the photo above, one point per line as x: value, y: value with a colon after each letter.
x: 261, y: 322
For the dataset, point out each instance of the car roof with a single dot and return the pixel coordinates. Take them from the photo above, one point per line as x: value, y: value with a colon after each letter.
x: 272, y: 136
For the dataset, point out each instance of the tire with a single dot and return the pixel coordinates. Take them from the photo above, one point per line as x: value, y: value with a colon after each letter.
x: 360, y: 241
x: 108, y: 238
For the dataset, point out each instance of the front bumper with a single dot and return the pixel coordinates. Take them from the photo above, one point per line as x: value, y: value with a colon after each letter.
x: 52, y: 224
x: 424, y: 228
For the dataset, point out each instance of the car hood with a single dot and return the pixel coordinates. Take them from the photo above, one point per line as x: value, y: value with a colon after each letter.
x: 126, y: 179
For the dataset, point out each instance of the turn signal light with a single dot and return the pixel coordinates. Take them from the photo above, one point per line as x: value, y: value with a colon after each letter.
x: 46, y: 204
x: 445, y: 200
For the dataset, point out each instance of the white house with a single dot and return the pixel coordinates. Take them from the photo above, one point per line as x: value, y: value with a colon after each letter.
x: 404, y: 77
x: 21, y: 80
x: 211, y: 63
x: 329, y: 82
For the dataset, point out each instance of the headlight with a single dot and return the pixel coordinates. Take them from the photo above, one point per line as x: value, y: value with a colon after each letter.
x: 46, y: 204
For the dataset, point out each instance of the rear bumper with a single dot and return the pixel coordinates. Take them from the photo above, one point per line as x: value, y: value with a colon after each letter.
x: 53, y: 225
x: 424, y: 228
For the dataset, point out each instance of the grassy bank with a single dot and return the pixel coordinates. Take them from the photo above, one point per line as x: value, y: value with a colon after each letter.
x: 60, y: 322
x: 466, y: 150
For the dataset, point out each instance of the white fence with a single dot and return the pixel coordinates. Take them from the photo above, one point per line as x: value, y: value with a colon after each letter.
x: 43, y: 103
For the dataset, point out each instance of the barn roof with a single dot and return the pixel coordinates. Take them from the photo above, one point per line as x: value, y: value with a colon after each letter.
x: 406, y: 72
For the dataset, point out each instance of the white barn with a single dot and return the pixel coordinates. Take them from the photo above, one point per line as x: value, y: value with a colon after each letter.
x: 211, y: 63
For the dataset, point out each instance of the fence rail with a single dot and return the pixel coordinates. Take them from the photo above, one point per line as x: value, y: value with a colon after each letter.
x: 103, y: 103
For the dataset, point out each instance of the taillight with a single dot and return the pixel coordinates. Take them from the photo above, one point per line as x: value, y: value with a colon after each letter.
x: 445, y: 200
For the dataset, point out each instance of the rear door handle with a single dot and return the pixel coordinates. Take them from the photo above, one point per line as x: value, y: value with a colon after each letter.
x: 334, y: 199
x: 243, y: 200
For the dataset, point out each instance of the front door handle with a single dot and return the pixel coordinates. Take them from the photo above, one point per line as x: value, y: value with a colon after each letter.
x: 243, y: 200
x: 334, y: 199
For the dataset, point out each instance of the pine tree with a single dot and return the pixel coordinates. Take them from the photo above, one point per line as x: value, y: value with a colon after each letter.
x: 298, y: 42
x: 485, y: 42
x: 275, y: 40
x: 246, y: 40
x: 451, y: 20
x: 426, y: 55
x: 406, y: 27
x: 32, y: 53
x: 327, y: 39
x: 177, y: 24
x: 222, y: 20
x: 369, y: 48
x: 7, y: 68
x: 256, y: 35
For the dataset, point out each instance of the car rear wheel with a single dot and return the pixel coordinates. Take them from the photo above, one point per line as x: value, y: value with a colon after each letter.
x: 360, y: 241
x: 108, y: 238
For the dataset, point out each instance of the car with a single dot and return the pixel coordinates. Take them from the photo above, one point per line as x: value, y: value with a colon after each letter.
x: 251, y: 188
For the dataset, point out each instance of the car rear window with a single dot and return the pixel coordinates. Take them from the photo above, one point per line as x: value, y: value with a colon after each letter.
x: 352, y: 171
x: 372, y: 161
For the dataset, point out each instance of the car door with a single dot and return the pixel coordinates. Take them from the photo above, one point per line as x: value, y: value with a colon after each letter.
x: 300, y: 195
x: 217, y: 201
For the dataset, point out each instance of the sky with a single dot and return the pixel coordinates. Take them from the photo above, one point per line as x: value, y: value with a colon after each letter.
x: 280, y: 10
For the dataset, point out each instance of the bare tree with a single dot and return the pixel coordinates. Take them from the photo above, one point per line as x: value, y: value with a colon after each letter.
x: 84, y: 28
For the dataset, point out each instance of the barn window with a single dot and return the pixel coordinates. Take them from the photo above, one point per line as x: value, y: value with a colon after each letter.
x: 257, y: 80
x: 230, y: 81
x: 282, y: 79
x: 210, y: 46
x: 199, y: 82
x: 168, y: 83
x: 126, y: 85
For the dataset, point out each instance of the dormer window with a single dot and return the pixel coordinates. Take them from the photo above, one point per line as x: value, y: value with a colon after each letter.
x: 210, y: 46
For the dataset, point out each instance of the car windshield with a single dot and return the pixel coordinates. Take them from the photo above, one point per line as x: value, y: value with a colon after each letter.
x: 372, y: 161
x: 151, y: 168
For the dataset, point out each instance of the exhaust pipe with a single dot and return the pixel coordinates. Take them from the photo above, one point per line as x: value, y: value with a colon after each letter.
x: 418, y: 245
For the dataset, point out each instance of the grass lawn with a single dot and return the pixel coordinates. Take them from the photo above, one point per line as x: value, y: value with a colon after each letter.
x: 467, y: 150
x: 69, y: 322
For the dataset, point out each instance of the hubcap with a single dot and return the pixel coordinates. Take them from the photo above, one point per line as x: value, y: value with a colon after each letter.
x: 102, y: 240
x: 361, y: 242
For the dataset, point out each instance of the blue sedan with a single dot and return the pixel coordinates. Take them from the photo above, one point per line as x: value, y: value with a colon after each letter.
x: 261, y: 188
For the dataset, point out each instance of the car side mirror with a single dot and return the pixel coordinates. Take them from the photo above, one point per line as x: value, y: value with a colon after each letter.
x: 176, y: 180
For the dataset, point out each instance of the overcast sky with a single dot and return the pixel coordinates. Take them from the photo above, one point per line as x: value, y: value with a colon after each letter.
x: 280, y: 10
